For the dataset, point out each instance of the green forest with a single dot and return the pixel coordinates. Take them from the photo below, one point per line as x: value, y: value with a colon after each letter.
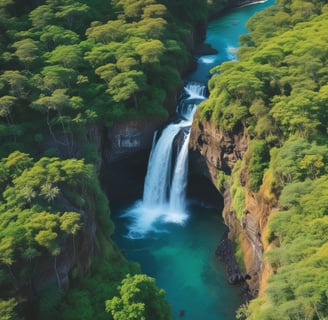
x: 68, y: 65
x: 278, y: 92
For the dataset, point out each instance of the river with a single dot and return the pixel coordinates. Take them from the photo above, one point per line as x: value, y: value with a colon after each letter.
x: 174, y: 238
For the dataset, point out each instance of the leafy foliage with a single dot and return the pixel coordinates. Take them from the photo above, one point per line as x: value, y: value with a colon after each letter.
x: 237, y: 191
x: 57, y: 50
x: 67, y: 65
x: 276, y: 93
x: 257, y: 160
x: 139, y: 299
x: 37, y: 218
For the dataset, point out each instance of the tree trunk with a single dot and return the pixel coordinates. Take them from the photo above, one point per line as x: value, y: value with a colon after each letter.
x: 56, y: 271
x: 13, y: 277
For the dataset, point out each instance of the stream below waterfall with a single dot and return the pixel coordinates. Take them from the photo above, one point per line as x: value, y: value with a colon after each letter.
x: 172, y: 237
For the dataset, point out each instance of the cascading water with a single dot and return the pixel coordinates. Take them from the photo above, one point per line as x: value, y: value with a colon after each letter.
x: 157, y: 182
x: 195, y: 90
x: 181, y: 258
x: 179, y: 183
x: 166, y: 179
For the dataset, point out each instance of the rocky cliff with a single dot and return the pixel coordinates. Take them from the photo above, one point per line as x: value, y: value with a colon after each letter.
x: 127, y: 138
x: 212, y: 152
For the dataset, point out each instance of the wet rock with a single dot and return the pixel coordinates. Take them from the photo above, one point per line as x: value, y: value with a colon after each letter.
x: 235, y: 276
x: 225, y: 252
x: 203, y: 49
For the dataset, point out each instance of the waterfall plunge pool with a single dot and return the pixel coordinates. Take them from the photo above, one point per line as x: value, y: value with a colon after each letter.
x: 182, y: 259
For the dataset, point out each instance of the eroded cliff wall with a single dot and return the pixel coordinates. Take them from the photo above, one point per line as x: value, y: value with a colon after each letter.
x: 214, y: 153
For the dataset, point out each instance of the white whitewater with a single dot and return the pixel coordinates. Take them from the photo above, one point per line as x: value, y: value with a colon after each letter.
x: 157, y: 182
x: 192, y: 95
x: 195, y: 90
x: 164, y: 197
x: 179, y: 183
x: 187, y: 110
x: 207, y: 59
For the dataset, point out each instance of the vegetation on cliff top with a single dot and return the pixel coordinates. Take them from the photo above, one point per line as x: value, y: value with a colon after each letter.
x: 67, y: 65
x: 278, y: 92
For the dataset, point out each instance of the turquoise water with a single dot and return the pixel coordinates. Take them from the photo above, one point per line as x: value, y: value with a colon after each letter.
x: 182, y: 259
x: 181, y: 254
x: 223, y: 35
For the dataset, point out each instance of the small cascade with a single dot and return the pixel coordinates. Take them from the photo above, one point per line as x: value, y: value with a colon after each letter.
x: 186, y: 110
x: 192, y: 95
x: 195, y: 90
x: 166, y: 179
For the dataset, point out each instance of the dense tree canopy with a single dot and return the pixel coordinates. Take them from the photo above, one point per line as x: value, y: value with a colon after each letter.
x: 105, y: 54
x: 66, y: 65
x: 277, y: 92
x: 139, y: 299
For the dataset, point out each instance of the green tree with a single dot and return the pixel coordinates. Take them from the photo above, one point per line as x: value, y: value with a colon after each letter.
x: 7, y: 309
x: 154, y: 11
x: 26, y: 51
x: 150, y: 51
x: 42, y: 16
x: 17, y: 162
x: 151, y: 28
x: 296, y: 113
x: 126, y: 85
x: 132, y: 9
x: 7, y: 257
x: 139, y: 299
x: 258, y: 155
x: 113, y: 30
x: 78, y: 306
x: 56, y: 102
x: 57, y: 77
x: 46, y: 238
x: 73, y: 13
x: 315, y: 201
x: 53, y: 36
x: 16, y: 83
x: 70, y: 223
x: 68, y: 56
x: 6, y: 105
x: 49, y: 191
x: 107, y: 72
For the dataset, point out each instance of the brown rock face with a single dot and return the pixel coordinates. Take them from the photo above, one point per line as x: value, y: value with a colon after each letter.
x: 125, y: 152
x: 124, y: 139
x: 249, y: 229
x: 212, y: 150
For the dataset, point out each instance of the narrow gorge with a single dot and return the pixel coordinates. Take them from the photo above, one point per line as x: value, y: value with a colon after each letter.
x: 212, y: 152
x: 159, y: 160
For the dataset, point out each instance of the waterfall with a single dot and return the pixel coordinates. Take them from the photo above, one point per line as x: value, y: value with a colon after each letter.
x: 195, y: 90
x: 192, y: 95
x: 165, y: 184
x: 158, y: 176
x: 159, y: 189
x: 179, y: 183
